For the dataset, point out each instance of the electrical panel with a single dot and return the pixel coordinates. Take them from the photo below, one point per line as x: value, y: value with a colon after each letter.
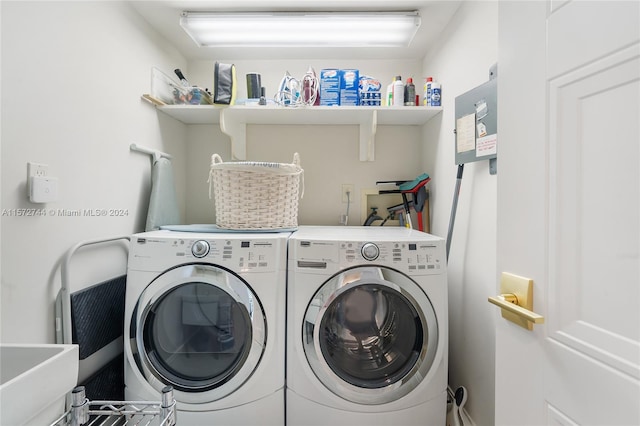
x: 477, y: 123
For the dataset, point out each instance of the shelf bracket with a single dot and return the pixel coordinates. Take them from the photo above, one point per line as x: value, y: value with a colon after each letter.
x: 368, y: 127
x: 237, y: 131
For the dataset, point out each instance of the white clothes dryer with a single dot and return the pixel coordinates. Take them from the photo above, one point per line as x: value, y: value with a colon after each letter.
x: 205, y: 313
x: 367, y: 327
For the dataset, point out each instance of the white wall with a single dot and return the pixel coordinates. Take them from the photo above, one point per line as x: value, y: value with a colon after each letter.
x: 72, y: 77
x: 466, y: 51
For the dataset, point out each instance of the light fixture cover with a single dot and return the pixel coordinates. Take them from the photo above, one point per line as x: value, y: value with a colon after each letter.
x: 300, y: 29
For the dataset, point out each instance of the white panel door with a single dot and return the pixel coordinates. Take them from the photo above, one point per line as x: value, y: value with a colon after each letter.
x: 569, y: 211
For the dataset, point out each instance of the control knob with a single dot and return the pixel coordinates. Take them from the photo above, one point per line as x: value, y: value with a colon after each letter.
x: 370, y: 251
x: 200, y: 248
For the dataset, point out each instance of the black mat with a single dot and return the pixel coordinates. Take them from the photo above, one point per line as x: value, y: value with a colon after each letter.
x: 97, y: 315
x: 108, y: 383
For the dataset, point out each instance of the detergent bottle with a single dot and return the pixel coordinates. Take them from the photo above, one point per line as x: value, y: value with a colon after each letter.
x: 426, y: 100
x: 436, y: 94
x: 398, y: 92
x: 389, y: 96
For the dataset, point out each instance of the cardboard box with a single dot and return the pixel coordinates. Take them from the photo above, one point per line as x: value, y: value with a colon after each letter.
x: 349, y: 83
x: 329, y: 87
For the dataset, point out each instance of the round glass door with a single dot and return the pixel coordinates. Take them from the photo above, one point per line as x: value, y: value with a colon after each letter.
x: 370, y: 335
x: 199, y: 328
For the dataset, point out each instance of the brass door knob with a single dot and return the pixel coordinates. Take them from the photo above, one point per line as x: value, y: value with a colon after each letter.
x: 516, y: 300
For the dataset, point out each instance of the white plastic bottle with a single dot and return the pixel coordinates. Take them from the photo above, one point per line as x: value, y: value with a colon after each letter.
x: 426, y: 100
x: 436, y: 94
x: 398, y: 92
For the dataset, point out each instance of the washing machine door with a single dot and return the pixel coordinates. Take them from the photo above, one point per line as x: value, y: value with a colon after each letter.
x: 199, y: 328
x: 370, y: 334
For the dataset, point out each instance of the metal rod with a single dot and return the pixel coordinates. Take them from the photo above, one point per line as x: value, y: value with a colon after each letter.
x: 167, y: 407
x: 454, y: 207
x: 79, y: 407
x: 408, y: 223
x: 65, y: 294
x: 154, y: 153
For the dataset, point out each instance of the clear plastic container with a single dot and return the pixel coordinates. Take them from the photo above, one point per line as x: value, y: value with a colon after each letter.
x: 169, y: 92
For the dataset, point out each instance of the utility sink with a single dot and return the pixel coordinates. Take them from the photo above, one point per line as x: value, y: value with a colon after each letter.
x: 34, y: 380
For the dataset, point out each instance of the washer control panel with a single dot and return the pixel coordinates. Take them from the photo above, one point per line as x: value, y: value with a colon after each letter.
x: 152, y: 253
x: 427, y: 257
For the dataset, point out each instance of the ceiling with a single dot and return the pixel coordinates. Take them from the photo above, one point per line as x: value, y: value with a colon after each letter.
x: 164, y: 17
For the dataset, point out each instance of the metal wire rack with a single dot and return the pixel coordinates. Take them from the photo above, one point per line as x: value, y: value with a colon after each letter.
x: 116, y: 413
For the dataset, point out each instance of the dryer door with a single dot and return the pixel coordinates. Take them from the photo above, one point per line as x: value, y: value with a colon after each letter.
x: 198, y: 328
x: 370, y: 334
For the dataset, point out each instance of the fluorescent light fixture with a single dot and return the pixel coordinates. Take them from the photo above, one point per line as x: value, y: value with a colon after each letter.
x: 301, y: 29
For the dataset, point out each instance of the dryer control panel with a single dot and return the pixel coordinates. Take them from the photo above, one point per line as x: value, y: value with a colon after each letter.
x: 411, y: 257
x: 405, y: 256
x: 153, y: 253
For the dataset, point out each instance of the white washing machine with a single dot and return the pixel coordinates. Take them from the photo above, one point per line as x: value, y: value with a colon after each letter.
x: 367, y: 339
x: 205, y: 313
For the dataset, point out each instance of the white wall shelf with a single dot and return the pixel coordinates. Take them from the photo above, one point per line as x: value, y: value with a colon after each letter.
x: 234, y: 119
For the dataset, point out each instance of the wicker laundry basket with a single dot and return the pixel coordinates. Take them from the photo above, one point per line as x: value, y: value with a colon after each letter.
x: 252, y: 195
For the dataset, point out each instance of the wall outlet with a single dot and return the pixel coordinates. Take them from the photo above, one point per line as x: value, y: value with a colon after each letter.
x: 348, y: 188
x: 35, y: 170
